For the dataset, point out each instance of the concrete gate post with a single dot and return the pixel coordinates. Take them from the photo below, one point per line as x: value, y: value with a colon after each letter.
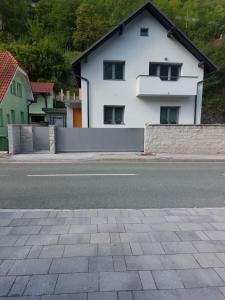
x: 52, y: 139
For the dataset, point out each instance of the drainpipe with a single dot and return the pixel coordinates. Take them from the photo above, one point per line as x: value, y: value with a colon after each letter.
x: 88, y: 97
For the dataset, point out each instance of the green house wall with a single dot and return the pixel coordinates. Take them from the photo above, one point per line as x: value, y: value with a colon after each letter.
x: 13, y: 110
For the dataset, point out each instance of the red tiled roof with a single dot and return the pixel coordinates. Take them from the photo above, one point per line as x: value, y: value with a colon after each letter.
x: 42, y: 87
x: 8, y: 67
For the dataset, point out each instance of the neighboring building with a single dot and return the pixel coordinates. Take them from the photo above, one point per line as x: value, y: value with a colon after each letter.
x: 143, y: 71
x: 43, y: 99
x: 15, y: 95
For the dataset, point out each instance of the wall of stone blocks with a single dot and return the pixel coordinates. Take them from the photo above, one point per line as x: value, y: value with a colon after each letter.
x: 185, y: 139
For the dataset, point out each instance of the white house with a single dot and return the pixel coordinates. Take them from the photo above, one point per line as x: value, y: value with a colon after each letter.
x: 143, y: 71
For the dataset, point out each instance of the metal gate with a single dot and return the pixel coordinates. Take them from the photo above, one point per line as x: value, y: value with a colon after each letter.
x: 99, y: 139
x: 41, y: 138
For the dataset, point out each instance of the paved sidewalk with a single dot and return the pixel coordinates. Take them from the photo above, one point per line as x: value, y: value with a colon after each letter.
x: 92, y: 156
x: 174, y: 254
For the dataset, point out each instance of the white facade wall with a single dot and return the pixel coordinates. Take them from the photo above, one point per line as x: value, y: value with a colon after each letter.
x: 137, y: 51
x: 69, y: 117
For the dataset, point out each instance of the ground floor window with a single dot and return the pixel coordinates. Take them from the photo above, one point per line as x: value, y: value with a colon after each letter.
x: 13, y: 117
x: 114, y: 114
x: 169, y: 115
x: 37, y: 119
x: 22, y: 118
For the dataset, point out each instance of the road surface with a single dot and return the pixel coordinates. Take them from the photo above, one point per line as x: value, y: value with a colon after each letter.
x: 112, y: 184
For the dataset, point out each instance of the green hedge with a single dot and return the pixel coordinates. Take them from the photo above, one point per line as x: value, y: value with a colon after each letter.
x: 3, y: 143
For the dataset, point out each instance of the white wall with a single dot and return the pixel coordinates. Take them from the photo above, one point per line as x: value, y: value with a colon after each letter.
x: 69, y: 117
x: 137, y: 52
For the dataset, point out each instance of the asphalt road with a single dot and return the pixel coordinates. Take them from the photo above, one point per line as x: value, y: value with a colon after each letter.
x: 111, y: 184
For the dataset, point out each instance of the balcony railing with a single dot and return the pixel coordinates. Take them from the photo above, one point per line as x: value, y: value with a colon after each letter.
x: 155, y: 86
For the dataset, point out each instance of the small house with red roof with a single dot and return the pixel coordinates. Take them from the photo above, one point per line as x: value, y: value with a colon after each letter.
x: 15, y: 95
x: 43, y: 99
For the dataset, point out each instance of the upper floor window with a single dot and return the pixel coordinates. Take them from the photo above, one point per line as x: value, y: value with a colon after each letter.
x: 1, y: 117
x: 165, y: 71
x: 114, y: 70
x: 144, y: 31
x: 19, y: 89
x: 114, y: 114
x: 13, y: 88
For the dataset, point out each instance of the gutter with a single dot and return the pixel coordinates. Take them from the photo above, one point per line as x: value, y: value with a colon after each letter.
x: 88, y: 97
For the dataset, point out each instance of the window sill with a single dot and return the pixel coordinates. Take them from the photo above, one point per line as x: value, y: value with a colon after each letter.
x: 114, y: 79
x: 115, y: 124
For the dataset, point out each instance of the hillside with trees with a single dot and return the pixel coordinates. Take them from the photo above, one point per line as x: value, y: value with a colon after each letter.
x: 46, y: 35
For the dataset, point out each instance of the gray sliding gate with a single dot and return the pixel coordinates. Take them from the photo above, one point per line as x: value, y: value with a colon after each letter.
x: 99, y: 139
x: 40, y: 138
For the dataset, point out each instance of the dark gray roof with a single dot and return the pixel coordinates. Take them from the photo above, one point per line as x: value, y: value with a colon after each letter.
x: 170, y: 26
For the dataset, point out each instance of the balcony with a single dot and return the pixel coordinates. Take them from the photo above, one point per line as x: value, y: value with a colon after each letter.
x: 148, y: 86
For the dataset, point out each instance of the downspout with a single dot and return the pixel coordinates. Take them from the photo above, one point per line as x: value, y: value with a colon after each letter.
x: 88, y: 97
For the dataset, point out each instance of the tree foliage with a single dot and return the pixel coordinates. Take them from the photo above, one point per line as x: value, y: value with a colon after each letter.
x: 45, y: 37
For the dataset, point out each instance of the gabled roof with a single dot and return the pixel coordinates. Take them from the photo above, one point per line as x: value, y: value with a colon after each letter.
x: 164, y: 21
x: 8, y: 67
x: 42, y: 87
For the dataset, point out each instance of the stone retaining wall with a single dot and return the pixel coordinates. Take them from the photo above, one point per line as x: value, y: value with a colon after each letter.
x: 186, y: 139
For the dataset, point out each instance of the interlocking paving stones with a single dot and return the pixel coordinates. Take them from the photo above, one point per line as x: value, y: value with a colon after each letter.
x: 77, y: 238
x: 5, y: 284
x: 167, y: 280
x: 200, y: 294
x: 208, y: 260
x: 200, y: 278
x: 52, y: 251
x: 156, y: 295
x: 30, y: 267
x: 41, y: 284
x: 178, y: 247
x: 119, y: 281
x: 14, y: 252
x: 114, y: 249
x: 76, y: 296
x: 69, y: 265
x: 100, y: 264
x: 102, y: 296
x: 76, y: 283
x: 19, y: 286
x: 168, y: 254
x: 80, y: 250
x: 143, y: 262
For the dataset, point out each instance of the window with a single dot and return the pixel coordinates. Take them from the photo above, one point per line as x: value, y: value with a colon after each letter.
x: 169, y: 115
x: 8, y: 119
x: 19, y: 89
x: 114, y: 114
x: 165, y: 71
x: 114, y: 70
x: 1, y: 117
x: 13, y: 119
x: 144, y: 31
x: 22, y: 117
x: 13, y: 88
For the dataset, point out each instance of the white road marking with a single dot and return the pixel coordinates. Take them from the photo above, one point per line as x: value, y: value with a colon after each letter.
x: 77, y: 175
